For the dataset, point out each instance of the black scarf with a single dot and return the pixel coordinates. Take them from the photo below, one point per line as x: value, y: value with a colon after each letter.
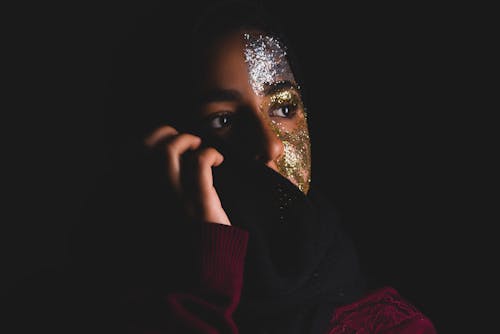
x: 299, y: 264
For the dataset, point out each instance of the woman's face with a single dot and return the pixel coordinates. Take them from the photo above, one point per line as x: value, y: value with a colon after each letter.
x: 251, y: 101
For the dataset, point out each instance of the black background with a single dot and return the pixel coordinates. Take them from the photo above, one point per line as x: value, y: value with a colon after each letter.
x: 388, y: 112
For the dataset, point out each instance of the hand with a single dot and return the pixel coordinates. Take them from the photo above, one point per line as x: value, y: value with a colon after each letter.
x: 187, y: 161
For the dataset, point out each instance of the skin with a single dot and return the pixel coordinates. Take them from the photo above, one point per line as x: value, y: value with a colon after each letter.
x: 227, y: 96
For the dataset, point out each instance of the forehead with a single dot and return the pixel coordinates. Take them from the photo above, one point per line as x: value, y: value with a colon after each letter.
x: 251, y: 56
x: 225, y: 61
x: 266, y: 59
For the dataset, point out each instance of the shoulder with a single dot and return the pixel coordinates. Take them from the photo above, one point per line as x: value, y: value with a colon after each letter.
x: 381, y: 311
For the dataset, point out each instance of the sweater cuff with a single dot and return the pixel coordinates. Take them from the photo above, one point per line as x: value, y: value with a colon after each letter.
x: 223, y: 250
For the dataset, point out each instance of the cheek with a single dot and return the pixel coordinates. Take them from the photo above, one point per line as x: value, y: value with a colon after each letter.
x: 295, y: 164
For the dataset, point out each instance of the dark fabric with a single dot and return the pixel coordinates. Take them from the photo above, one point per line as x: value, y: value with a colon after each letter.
x: 300, y: 265
x: 134, y: 241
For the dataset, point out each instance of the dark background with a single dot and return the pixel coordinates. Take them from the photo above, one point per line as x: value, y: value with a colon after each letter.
x: 388, y: 112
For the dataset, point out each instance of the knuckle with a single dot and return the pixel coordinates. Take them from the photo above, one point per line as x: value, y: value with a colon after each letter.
x: 211, y: 151
x: 180, y: 142
x: 160, y: 134
x: 193, y: 138
x: 207, y: 155
x: 166, y: 129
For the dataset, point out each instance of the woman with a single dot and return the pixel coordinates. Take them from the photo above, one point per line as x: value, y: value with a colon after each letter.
x: 250, y: 245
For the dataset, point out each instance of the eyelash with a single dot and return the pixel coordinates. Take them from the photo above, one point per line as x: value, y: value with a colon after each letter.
x: 292, y: 110
x: 218, y: 117
x: 224, y: 119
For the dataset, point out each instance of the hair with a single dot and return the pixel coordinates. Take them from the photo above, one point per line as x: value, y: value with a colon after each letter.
x: 227, y: 16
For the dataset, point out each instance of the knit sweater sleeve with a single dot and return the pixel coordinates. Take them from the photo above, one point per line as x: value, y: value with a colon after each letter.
x: 208, y: 308
x: 382, y: 311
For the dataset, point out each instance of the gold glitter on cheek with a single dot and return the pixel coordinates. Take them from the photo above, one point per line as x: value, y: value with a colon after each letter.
x: 267, y: 64
x: 295, y: 164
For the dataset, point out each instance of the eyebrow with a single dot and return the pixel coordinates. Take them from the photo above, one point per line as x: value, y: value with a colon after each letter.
x: 280, y: 86
x: 231, y: 95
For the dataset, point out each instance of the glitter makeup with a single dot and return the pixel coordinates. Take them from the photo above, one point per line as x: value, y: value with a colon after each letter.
x: 267, y: 65
x: 266, y: 60
x: 285, y: 97
x: 295, y: 163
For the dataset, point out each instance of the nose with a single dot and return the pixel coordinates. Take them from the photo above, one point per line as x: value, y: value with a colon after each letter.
x: 269, y: 146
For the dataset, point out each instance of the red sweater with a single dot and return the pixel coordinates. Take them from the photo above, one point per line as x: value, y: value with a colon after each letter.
x: 209, y: 307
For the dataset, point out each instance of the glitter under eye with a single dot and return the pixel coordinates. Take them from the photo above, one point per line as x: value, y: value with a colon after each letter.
x: 295, y: 163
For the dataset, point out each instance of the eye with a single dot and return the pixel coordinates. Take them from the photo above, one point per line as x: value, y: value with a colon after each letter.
x: 285, y: 111
x: 220, y: 121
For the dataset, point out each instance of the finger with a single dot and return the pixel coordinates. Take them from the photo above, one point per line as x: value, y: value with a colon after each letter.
x: 209, y: 157
x: 198, y: 184
x: 175, y: 148
x: 206, y: 159
x: 158, y: 135
x: 180, y: 144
